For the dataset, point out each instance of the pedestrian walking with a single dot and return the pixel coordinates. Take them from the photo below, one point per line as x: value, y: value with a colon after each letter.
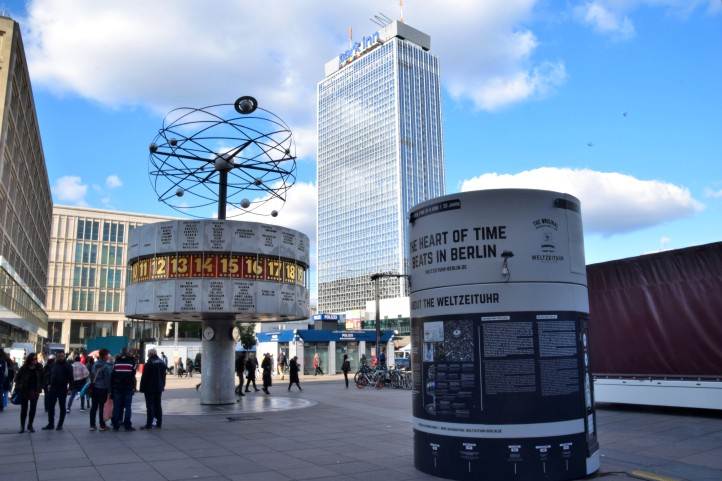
x: 46, y: 380
x: 80, y: 377
x: 28, y: 386
x: 345, y: 368
x: 122, y: 386
x: 189, y: 367
x: 293, y: 368
x: 266, y: 367
x: 165, y: 361
x: 240, y: 367
x: 100, y: 388
x: 4, y: 378
x: 382, y: 358
x: 61, y: 377
x: 317, y: 365
x: 282, y: 364
x: 152, y: 385
x: 251, y: 365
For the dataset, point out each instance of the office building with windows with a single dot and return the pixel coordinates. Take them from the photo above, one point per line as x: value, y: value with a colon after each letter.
x: 25, y: 201
x: 86, y: 276
x: 379, y: 154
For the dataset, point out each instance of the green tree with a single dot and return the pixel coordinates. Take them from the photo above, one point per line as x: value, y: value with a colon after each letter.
x: 248, y: 334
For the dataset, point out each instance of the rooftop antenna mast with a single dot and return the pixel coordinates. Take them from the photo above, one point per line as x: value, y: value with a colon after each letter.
x: 401, y: 4
x: 350, y: 37
x: 381, y: 20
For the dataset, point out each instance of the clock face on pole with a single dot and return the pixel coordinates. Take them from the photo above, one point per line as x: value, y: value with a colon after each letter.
x: 208, y: 333
x: 236, y: 334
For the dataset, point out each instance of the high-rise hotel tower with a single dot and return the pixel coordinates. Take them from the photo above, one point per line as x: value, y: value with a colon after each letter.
x: 379, y: 154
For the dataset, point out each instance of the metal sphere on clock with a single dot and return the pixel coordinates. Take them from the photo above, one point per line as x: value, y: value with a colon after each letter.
x: 238, y: 156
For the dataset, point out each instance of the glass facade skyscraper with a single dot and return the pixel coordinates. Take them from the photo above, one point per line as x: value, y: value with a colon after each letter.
x: 379, y: 153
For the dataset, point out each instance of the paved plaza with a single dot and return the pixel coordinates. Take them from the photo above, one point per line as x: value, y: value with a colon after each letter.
x: 325, y: 432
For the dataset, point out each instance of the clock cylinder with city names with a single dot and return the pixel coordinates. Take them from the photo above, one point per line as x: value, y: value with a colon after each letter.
x: 217, y: 269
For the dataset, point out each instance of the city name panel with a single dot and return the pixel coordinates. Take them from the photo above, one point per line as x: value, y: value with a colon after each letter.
x: 499, y: 309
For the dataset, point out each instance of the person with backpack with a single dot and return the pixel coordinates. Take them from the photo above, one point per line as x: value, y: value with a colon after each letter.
x: 100, y: 388
x: 152, y: 385
x: 345, y: 368
x: 282, y: 364
x: 28, y: 386
x: 293, y: 368
x: 80, y: 377
x: 122, y: 387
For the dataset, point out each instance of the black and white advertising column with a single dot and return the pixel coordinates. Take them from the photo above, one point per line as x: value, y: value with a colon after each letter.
x: 499, y: 309
x: 217, y: 272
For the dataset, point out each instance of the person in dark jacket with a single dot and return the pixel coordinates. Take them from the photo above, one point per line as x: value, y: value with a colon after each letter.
x: 46, y: 380
x: 122, y: 387
x: 267, y: 367
x: 29, y: 385
x: 251, y: 365
x: 240, y: 367
x: 100, y: 378
x: 345, y: 368
x: 4, y: 376
x: 293, y: 368
x: 61, y: 377
x: 152, y: 384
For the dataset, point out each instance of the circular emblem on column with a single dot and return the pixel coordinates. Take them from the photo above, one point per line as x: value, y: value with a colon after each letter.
x: 208, y: 333
x: 236, y: 334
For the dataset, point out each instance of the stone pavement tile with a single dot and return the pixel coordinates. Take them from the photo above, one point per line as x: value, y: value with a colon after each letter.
x: 688, y: 472
x: 388, y: 474
x: 86, y: 473
x: 19, y: 467
x: 260, y: 476
x: 182, y: 469
x: 631, y: 456
x: 710, y: 459
x: 307, y: 472
x: 118, y: 457
x: 247, y: 447
x: 677, y: 451
x: 162, y: 454
x: 353, y: 467
x: 277, y: 460
x: 27, y: 456
x: 227, y: 465
x: 195, y: 452
x: 69, y: 462
x: 129, y: 472
x: 21, y: 476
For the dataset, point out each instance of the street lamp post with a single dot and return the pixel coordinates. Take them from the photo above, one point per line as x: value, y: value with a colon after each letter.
x: 375, y: 279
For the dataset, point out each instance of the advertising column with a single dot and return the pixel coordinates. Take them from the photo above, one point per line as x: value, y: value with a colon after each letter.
x: 499, y: 308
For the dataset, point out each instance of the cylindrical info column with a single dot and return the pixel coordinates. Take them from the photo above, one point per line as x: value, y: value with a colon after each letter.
x: 217, y: 363
x: 499, y: 309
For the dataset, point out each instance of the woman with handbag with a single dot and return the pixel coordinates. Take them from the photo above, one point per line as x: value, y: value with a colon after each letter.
x: 28, y: 386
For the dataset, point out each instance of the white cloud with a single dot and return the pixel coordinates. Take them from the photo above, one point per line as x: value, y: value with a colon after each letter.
x: 70, y: 189
x: 612, y: 202
x: 605, y: 20
x: 612, y: 17
x: 713, y: 194
x: 113, y: 181
x: 664, y: 241
x: 166, y: 54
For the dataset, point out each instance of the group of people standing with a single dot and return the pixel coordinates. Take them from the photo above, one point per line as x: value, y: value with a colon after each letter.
x: 104, y: 382
x: 247, y: 365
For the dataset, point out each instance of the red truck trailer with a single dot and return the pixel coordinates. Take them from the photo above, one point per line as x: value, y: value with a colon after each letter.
x: 655, y: 328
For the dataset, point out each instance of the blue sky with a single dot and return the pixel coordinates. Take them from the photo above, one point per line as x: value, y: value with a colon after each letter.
x: 535, y: 94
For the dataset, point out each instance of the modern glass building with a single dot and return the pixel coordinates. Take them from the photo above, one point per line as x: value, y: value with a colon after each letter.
x: 25, y: 200
x: 86, y: 276
x: 379, y: 154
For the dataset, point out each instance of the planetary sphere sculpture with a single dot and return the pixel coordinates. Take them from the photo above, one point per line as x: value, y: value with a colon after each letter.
x: 241, y: 158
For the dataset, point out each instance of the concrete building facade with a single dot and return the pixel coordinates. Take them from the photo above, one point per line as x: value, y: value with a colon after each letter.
x: 379, y: 153
x: 87, y: 275
x: 25, y: 200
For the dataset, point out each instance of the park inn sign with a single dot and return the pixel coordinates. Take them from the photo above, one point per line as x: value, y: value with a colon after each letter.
x: 366, y: 43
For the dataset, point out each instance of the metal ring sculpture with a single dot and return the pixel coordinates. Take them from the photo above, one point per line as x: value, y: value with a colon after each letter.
x: 230, y: 154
